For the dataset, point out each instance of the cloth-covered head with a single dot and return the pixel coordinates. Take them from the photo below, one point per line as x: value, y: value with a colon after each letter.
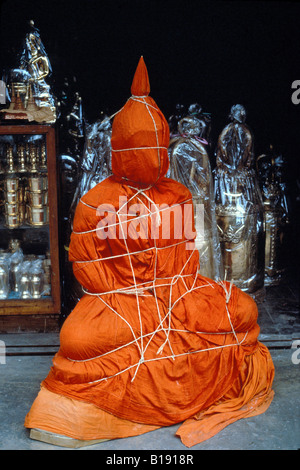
x: 140, y: 135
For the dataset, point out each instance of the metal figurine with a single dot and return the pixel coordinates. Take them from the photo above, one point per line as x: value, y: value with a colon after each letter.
x: 239, y: 206
x: 276, y: 214
x: 35, y: 60
x: 95, y: 167
x: 11, y: 186
x: 190, y: 165
x: 72, y: 131
x: 19, y: 105
x: 37, y: 208
x: 31, y: 96
x: 21, y: 159
x: 33, y: 158
x: 179, y: 112
x: 43, y: 157
x: 10, y: 160
x: 18, y: 83
x: 72, y: 140
x: 31, y: 107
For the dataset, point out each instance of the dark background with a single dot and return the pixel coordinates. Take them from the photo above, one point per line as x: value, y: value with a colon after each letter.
x: 216, y: 53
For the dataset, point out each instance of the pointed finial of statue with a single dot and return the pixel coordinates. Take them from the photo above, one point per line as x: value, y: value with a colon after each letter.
x: 140, y: 83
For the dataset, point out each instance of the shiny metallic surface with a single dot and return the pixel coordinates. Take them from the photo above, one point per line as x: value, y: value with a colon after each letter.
x: 37, y: 215
x: 37, y: 198
x: 271, y: 168
x: 4, y: 281
x: 31, y: 97
x: 12, y: 197
x: 25, y: 286
x: 36, y: 285
x: 11, y: 184
x: 239, y: 206
x: 11, y: 209
x: 94, y: 168
x: 12, y: 221
x: 190, y: 165
x: 38, y: 183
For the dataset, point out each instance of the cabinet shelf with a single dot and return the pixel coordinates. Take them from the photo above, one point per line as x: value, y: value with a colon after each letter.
x: 44, y: 227
x: 37, y: 242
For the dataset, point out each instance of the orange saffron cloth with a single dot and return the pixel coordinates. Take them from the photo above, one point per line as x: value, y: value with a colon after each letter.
x: 175, y: 348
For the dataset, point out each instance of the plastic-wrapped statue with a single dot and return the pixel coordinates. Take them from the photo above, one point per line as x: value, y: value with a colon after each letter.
x: 179, y: 112
x: 276, y: 214
x: 96, y: 161
x: 194, y: 110
x: 29, y: 94
x: 35, y: 60
x: 72, y: 139
x: 94, y: 168
x: 152, y: 343
x: 239, y: 206
x: 190, y: 165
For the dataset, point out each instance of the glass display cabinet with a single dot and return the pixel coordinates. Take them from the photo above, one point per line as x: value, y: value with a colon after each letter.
x: 29, y: 255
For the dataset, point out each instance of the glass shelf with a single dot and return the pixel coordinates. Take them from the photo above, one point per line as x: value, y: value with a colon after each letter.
x: 29, y: 263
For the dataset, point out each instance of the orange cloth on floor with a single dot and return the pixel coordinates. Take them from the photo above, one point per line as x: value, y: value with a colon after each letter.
x: 152, y: 341
x: 79, y: 420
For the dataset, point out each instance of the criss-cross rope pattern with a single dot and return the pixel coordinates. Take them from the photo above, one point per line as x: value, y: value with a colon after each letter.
x: 146, y: 344
x: 153, y: 117
x: 164, y: 322
x: 143, y: 340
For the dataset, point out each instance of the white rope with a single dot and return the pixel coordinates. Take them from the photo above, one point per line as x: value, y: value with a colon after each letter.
x: 122, y: 318
x: 158, y: 222
x: 132, y: 253
x: 141, y: 348
x: 164, y: 322
x: 170, y: 357
x: 138, y: 96
x: 176, y: 330
x: 227, y: 298
x: 139, y: 148
x: 142, y: 101
x: 133, y: 98
x: 130, y: 290
x: 156, y: 135
x: 129, y: 215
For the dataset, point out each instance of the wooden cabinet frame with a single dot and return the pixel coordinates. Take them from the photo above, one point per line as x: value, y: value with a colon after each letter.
x: 53, y: 304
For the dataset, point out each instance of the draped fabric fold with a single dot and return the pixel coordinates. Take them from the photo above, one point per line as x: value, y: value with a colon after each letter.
x: 151, y: 343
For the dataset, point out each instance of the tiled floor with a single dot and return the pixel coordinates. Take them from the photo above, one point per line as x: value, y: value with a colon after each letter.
x: 279, y: 314
x: 278, y: 428
x: 28, y: 359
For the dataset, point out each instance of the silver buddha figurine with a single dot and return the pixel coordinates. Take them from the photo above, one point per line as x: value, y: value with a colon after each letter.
x: 190, y: 165
x: 270, y: 168
x: 34, y: 60
x: 239, y: 206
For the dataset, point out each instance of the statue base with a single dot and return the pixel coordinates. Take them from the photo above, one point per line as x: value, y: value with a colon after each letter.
x: 62, y: 441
